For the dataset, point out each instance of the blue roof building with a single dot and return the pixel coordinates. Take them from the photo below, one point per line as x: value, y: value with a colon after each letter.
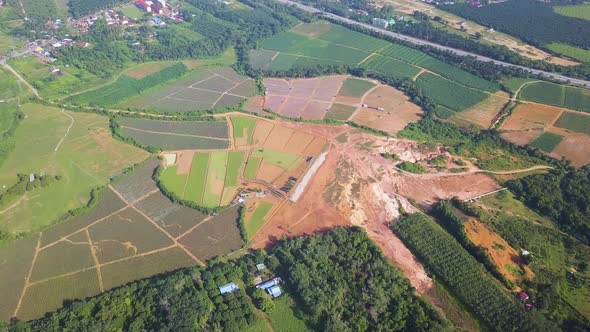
x: 274, y: 291
x: 228, y: 288
x: 269, y: 283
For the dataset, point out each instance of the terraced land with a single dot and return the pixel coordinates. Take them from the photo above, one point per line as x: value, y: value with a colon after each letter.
x: 177, y: 135
x: 576, y: 99
x: 202, y: 89
x: 132, y: 232
x: 321, y: 42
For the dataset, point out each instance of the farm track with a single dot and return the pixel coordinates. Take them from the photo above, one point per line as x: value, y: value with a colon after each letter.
x: 421, y: 42
x: 67, y: 131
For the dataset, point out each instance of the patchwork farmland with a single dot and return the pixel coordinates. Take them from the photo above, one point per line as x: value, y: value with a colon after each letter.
x: 576, y: 99
x: 341, y: 98
x: 176, y: 135
x: 324, y: 43
x: 203, y: 89
x: 556, y: 131
x: 264, y: 154
x: 133, y: 232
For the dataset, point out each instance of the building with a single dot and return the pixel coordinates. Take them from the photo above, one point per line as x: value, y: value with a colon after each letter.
x: 260, y: 267
x: 269, y: 283
x: 274, y: 291
x: 381, y: 23
x: 228, y: 288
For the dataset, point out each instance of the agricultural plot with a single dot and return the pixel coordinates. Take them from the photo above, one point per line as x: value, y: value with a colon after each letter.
x: 125, y: 234
x: 390, y: 66
x: 575, y: 122
x: 85, y: 157
x: 576, y: 99
x: 243, y: 128
x: 203, y: 89
x: 340, y: 112
x: 114, y: 243
x: 256, y: 217
x: 177, y: 135
x: 174, y: 218
x: 570, y: 51
x: 216, y: 237
x: 483, y: 114
x: 547, y: 142
x: 354, y: 87
x: 450, y: 95
x: 212, y: 180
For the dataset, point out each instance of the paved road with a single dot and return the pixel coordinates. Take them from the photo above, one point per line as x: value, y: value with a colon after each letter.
x: 418, y: 41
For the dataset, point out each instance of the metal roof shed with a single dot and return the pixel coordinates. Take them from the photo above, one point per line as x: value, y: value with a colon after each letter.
x: 274, y: 291
x: 228, y: 288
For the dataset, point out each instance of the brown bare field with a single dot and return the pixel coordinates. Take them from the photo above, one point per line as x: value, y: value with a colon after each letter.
x: 184, y: 161
x: 255, y: 105
x: 485, y: 112
x: 261, y: 132
x: 499, y: 250
x: 531, y: 116
x: 398, y: 110
x: 144, y: 70
x: 278, y: 138
x: 573, y: 147
x: 315, y: 147
x: 269, y: 172
x: 521, y: 137
x: 315, y: 110
x: 298, y: 142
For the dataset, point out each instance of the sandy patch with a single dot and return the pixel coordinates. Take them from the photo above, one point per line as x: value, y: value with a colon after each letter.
x: 278, y: 138
x: 185, y: 160
x: 169, y: 158
x: 298, y: 143
x: 315, y: 147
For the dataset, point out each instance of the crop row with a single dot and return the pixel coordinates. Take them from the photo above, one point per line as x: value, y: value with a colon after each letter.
x: 215, y: 129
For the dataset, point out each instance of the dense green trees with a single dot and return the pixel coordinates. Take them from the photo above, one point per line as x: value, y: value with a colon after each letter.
x: 79, y: 8
x: 564, y: 197
x: 465, y: 277
x: 344, y: 283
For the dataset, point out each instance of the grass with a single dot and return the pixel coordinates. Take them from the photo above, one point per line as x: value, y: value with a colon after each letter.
x: 243, y: 128
x: 257, y: 219
x: 86, y: 159
x: 411, y: 167
x: 449, y: 94
x: 578, y: 11
x: 10, y: 86
x: 197, y: 182
x: 570, y: 51
x: 547, y: 141
x: 354, y: 87
x: 174, y: 181
x: 281, y: 159
x: 340, y: 112
x: 234, y: 164
x: 574, y: 122
x: 283, y: 317
x: 215, y: 178
x: 252, y: 167
x: 577, y: 99
x: 515, y: 83
x: 131, y: 11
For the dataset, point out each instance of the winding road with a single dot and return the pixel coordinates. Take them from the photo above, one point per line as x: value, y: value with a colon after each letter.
x: 417, y: 41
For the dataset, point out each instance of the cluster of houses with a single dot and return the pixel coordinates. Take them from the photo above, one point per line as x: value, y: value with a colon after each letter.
x: 160, y: 7
x: 110, y: 16
x: 271, y: 286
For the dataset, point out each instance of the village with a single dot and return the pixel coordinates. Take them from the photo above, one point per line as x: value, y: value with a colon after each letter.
x: 59, y: 33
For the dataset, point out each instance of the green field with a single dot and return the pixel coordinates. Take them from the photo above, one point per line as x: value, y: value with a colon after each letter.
x: 574, y: 122
x: 449, y: 94
x: 283, y: 317
x: 390, y: 66
x: 340, y: 112
x: 86, y: 158
x: 234, y: 164
x: 354, y: 87
x: 10, y: 86
x: 577, y: 99
x: 281, y: 159
x: 515, y: 83
x: 570, y: 51
x: 210, y: 174
x: 131, y: 11
x: 257, y: 219
x: 578, y: 11
x: 215, y: 178
x: 173, y: 181
x: 547, y: 141
x: 243, y: 129
x: 252, y: 167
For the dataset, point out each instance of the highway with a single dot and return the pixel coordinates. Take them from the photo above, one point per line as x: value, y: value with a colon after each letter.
x: 417, y: 41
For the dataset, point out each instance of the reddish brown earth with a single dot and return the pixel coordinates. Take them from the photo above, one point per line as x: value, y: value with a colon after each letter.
x: 356, y: 186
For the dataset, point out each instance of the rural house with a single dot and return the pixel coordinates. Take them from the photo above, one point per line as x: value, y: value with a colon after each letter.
x: 228, y: 288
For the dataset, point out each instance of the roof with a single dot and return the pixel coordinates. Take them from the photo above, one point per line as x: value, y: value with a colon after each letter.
x: 269, y: 283
x: 260, y: 267
x: 274, y: 291
x: 228, y: 288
